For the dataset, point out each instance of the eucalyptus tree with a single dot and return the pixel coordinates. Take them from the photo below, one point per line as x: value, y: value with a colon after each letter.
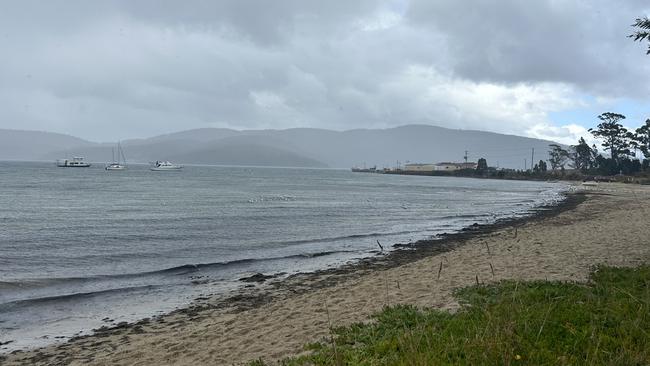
x: 643, y: 31
x: 615, y: 137
x: 642, y: 138
x: 558, y: 156
x: 583, y: 156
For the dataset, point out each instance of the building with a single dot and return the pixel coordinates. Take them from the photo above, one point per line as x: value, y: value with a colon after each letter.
x: 450, y: 167
x: 468, y: 165
x: 438, y: 167
x: 428, y: 167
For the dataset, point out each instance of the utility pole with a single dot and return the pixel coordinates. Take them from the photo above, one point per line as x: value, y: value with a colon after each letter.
x: 532, y: 158
x: 525, y: 165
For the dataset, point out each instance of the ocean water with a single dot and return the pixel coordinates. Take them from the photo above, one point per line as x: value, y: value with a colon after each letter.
x: 78, y: 245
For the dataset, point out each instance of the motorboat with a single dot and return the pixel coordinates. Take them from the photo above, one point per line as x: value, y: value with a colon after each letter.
x: 165, y: 165
x: 76, y: 162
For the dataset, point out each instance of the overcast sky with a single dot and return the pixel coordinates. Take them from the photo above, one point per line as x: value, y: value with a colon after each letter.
x: 121, y: 69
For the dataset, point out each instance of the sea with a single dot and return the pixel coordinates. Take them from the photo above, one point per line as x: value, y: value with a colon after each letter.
x: 83, y: 247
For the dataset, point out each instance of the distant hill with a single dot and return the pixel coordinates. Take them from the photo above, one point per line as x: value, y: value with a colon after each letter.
x: 36, y: 145
x: 238, y: 152
x: 299, y: 147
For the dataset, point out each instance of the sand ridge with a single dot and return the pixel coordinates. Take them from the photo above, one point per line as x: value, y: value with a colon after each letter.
x: 609, y: 227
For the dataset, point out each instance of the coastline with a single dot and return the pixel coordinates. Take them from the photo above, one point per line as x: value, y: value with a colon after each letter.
x: 349, y: 293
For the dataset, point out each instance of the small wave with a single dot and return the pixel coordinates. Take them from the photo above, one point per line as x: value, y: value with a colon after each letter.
x: 69, y: 289
x: 8, y: 306
x: 344, y: 237
x: 464, y: 216
x: 181, y: 270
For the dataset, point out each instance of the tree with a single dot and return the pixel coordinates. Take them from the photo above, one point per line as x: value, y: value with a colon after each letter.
x: 540, y: 167
x: 615, y: 136
x: 557, y: 156
x: 629, y: 166
x: 583, y: 156
x: 643, y: 24
x: 606, y: 166
x: 642, y: 138
x: 482, y: 166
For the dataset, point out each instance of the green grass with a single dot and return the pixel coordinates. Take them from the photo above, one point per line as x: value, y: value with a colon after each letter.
x: 605, y: 322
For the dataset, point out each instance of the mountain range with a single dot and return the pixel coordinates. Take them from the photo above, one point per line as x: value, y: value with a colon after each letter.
x: 297, y: 147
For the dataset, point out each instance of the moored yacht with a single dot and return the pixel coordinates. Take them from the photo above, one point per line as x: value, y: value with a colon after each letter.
x: 165, y: 165
x: 116, y: 165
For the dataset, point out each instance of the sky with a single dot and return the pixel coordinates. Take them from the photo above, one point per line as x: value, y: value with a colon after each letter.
x: 112, y: 70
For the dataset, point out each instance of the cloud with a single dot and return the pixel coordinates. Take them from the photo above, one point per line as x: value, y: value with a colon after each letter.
x: 567, y: 134
x: 579, y: 42
x: 152, y: 67
x: 428, y: 94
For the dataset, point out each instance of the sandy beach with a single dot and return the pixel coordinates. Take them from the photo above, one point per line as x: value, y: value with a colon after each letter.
x: 607, y: 224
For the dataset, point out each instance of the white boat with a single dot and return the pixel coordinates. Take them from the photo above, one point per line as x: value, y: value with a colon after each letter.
x: 115, y: 165
x: 76, y: 162
x: 165, y: 165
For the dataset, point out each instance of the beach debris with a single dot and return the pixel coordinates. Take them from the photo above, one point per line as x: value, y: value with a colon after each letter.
x: 380, y: 247
x: 472, y: 227
x: 488, y: 247
x: 492, y: 269
x: 477, y: 283
x: 257, y: 277
x: 440, y: 270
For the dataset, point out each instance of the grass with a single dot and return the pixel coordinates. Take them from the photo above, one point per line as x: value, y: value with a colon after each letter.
x: 604, y: 322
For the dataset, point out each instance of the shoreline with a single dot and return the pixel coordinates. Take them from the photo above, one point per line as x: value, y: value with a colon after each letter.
x: 256, y: 298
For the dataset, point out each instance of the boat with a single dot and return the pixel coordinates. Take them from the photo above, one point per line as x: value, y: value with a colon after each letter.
x: 76, y: 162
x: 357, y: 169
x: 116, y: 165
x: 165, y: 165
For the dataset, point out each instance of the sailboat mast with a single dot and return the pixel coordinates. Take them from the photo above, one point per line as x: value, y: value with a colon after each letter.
x: 122, y: 153
x: 113, y: 153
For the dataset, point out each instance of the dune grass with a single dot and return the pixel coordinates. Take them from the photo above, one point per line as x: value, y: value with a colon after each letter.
x: 604, y: 322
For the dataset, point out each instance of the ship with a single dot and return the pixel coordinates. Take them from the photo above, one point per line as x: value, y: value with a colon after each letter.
x: 76, y: 162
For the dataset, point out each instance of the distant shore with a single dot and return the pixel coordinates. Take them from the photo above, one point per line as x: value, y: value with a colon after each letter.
x: 604, y: 224
x: 512, y: 174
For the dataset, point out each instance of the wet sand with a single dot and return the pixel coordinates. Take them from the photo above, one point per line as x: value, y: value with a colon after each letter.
x: 608, y: 224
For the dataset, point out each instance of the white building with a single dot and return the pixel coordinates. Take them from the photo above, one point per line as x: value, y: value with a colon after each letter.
x: 428, y: 167
x: 450, y: 167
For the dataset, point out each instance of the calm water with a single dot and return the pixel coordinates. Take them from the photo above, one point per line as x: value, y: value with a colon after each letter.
x: 78, y: 245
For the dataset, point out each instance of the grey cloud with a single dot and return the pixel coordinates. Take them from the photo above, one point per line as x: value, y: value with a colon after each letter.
x: 119, y: 69
x: 581, y: 42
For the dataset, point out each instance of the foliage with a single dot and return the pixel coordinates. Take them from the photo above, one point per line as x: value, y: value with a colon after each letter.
x: 557, y: 156
x: 643, y: 24
x: 629, y: 166
x: 642, y: 137
x: 583, y: 156
x: 605, y: 166
x: 615, y: 136
x: 606, y: 322
x: 482, y: 165
x: 540, y: 167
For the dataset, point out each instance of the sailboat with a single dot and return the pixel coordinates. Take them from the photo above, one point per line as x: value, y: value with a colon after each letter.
x: 116, y: 165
